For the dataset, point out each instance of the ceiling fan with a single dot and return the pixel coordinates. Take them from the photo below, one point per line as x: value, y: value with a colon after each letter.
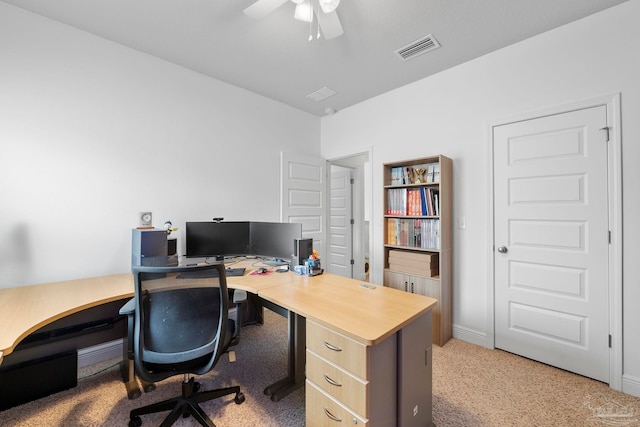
x: 324, y: 10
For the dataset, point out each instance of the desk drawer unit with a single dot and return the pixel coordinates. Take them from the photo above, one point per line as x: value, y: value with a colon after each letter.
x: 337, y: 348
x: 325, y: 411
x: 350, y: 381
x: 341, y: 384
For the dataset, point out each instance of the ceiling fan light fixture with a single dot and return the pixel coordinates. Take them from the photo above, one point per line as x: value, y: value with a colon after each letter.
x: 329, y: 6
x: 303, y: 11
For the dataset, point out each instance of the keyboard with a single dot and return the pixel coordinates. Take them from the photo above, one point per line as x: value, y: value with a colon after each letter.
x: 203, y: 274
x: 235, y: 271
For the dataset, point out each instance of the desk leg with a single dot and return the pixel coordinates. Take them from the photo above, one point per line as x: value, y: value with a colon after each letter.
x: 296, y: 363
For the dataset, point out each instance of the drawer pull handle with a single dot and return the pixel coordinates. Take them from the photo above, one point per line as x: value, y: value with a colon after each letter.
x: 330, y: 415
x: 332, y: 347
x: 332, y: 381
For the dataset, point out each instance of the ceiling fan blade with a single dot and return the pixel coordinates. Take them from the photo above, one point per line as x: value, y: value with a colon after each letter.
x: 262, y: 8
x: 330, y: 24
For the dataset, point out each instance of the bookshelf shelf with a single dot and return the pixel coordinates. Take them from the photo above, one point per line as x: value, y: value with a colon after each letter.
x: 417, y: 233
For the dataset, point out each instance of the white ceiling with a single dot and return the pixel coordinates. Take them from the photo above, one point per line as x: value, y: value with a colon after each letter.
x: 274, y: 58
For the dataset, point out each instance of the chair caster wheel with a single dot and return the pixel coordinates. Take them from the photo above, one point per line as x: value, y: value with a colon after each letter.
x: 239, y: 398
x: 196, y: 387
x: 135, y: 422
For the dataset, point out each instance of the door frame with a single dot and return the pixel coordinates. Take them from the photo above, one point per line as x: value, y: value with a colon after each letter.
x: 612, y: 102
x: 361, y: 190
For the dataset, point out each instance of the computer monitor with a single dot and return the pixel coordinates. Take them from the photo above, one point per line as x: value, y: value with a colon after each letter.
x: 274, y: 239
x: 217, y: 239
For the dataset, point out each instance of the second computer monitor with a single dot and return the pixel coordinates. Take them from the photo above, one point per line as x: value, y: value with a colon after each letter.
x: 274, y: 239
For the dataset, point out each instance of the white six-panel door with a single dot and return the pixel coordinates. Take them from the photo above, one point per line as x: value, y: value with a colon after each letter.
x: 303, y: 196
x: 340, y: 251
x: 551, y: 237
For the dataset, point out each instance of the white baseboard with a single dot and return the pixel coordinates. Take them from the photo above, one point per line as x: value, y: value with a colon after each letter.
x: 471, y: 336
x: 631, y: 385
x: 99, y: 353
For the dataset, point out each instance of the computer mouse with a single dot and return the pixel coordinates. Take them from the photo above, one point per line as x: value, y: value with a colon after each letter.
x: 262, y: 270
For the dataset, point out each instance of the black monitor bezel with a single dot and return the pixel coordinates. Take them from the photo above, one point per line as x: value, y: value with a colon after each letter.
x: 274, y: 239
x: 235, y: 241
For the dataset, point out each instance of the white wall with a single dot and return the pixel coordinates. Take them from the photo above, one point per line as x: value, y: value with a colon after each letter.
x: 92, y: 133
x: 449, y: 114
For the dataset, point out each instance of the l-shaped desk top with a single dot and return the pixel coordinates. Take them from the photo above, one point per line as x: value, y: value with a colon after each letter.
x: 366, y: 313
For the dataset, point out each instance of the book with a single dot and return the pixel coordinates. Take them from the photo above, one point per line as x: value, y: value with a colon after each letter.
x: 415, y: 233
x: 423, y: 202
x: 429, y: 197
x: 436, y: 172
x: 414, y: 206
x: 397, y: 201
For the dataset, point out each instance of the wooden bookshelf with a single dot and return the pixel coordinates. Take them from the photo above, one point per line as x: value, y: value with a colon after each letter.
x: 417, y: 233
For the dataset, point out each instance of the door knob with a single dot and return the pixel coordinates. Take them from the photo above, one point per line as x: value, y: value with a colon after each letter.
x: 502, y: 249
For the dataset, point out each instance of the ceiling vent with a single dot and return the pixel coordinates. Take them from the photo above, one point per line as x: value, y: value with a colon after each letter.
x: 321, y: 94
x: 417, y: 47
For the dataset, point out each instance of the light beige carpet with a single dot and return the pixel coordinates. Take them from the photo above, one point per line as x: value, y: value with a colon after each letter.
x: 472, y: 386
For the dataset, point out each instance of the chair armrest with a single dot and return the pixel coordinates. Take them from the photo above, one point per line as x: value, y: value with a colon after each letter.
x: 129, y: 310
x: 239, y: 296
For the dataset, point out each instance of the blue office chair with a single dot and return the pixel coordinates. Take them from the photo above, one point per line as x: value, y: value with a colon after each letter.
x: 181, y: 327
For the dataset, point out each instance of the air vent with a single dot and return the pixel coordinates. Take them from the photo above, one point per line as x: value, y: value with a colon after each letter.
x: 417, y: 47
x: 321, y: 94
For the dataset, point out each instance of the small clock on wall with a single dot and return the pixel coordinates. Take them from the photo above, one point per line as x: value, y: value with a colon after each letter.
x: 146, y: 219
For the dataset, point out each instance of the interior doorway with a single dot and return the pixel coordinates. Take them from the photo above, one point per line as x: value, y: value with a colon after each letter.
x: 348, y: 242
x: 340, y: 258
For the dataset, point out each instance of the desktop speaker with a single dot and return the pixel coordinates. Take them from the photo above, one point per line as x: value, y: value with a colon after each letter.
x: 172, y: 252
x: 302, y: 249
x: 149, y: 248
x: 38, y: 378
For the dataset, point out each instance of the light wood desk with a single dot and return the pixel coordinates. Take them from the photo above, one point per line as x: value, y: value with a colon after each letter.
x: 25, y: 309
x: 368, y: 350
x: 391, y: 328
x: 363, y: 312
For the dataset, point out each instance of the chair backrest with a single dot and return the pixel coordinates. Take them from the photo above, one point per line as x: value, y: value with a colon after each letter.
x: 181, y: 319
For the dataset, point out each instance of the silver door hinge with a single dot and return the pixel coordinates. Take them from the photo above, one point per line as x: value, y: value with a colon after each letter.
x: 352, y: 181
x: 606, y: 129
x: 352, y: 221
x: 352, y: 262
